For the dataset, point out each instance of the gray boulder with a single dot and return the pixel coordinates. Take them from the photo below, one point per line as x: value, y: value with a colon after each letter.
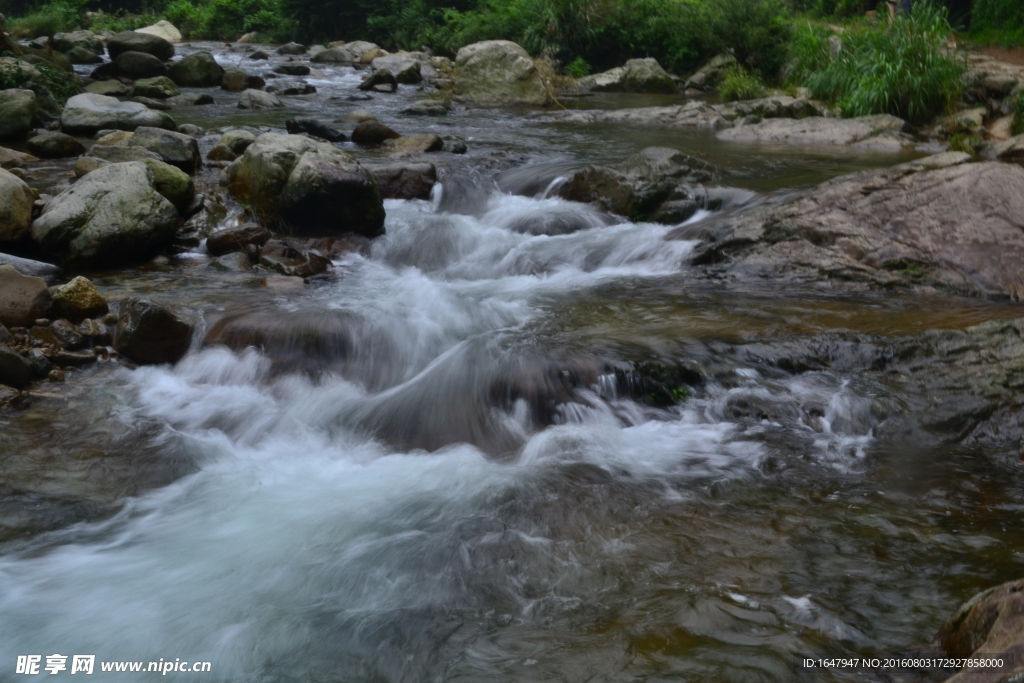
x: 257, y: 99
x: 882, y: 132
x: 378, y: 78
x: 406, y: 61
x: 151, y: 334
x: 88, y: 113
x: 174, y: 148
x: 173, y: 183
x: 239, y: 238
x: 54, y: 145
x: 309, y: 186
x: 291, y: 88
x: 15, y: 208
x: 935, y: 223
x: 638, y: 75
x: 17, y: 112
x: 46, y: 271
x: 87, y: 40
x: 23, y: 299
x: 334, y: 55
x: 198, y: 70
x: 113, y: 216
x: 132, y: 41
x: 291, y: 49
x: 81, y: 55
x: 164, y: 29
x: 498, y: 72
x: 137, y: 65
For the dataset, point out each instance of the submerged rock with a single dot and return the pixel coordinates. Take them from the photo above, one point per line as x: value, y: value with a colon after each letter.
x: 257, y: 99
x: 315, y: 128
x: 405, y: 181
x: 498, y: 72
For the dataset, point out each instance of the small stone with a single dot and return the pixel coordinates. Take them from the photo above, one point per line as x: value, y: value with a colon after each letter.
x: 371, y: 133
x: 55, y: 375
x: 78, y: 300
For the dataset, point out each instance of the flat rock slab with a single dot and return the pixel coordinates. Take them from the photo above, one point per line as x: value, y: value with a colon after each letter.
x: 869, y: 132
x: 937, y: 223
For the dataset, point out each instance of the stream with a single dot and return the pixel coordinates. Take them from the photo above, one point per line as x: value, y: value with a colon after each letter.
x: 453, y: 481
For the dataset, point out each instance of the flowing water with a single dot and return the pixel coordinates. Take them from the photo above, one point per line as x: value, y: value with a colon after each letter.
x: 453, y: 481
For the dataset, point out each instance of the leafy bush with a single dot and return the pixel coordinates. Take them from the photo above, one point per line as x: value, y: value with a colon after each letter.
x: 228, y: 19
x: 999, y: 21
x: 578, y: 68
x: 899, y: 69
x: 756, y: 32
x: 120, y: 21
x: 54, y: 17
x: 739, y: 84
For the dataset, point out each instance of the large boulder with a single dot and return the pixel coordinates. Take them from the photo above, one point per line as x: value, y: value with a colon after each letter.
x: 381, y: 79
x: 88, y: 113
x: 112, y: 216
x: 198, y: 70
x: 936, y: 223
x: 110, y: 87
x: 17, y: 111
x: 162, y: 29
x: 990, y: 623
x: 151, y: 334
x: 78, y: 300
x: 498, y: 72
x: 312, y: 187
x: 173, y: 148
x: 63, y: 42
x: 160, y: 88
x: 137, y: 65
x: 23, y: 299
x: 363, y: 50
x: 292, y: 49
x: 638, y: 75
x: 370, y: 133
x: 54, y: 145
x: 118, y: 154
x: 15, y: 208
x: 133, y: 41
x: 292, y: 69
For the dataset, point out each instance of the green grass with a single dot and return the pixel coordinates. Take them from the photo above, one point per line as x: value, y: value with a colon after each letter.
x: 47, y: 20
x: 739, y: 84
x: 899, y: 68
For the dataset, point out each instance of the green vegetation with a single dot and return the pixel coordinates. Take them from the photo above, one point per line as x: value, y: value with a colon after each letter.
x: 998, y: 21
x: 1017, y: 109
x: 739, y: 84
x: 898, y: 68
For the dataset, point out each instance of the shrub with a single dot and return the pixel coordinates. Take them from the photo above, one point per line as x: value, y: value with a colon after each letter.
x: 1017, y: 110
x: 739, y: 84
x: 756, y: 32
x: 578, y: 68
x: 899, y: 69
x: 54, y: 17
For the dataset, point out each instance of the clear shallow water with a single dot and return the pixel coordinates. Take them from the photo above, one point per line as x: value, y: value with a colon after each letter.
x: 433, y: 503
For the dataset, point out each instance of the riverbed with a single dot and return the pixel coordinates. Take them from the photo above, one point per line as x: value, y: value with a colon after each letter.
x: 454, y: 482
